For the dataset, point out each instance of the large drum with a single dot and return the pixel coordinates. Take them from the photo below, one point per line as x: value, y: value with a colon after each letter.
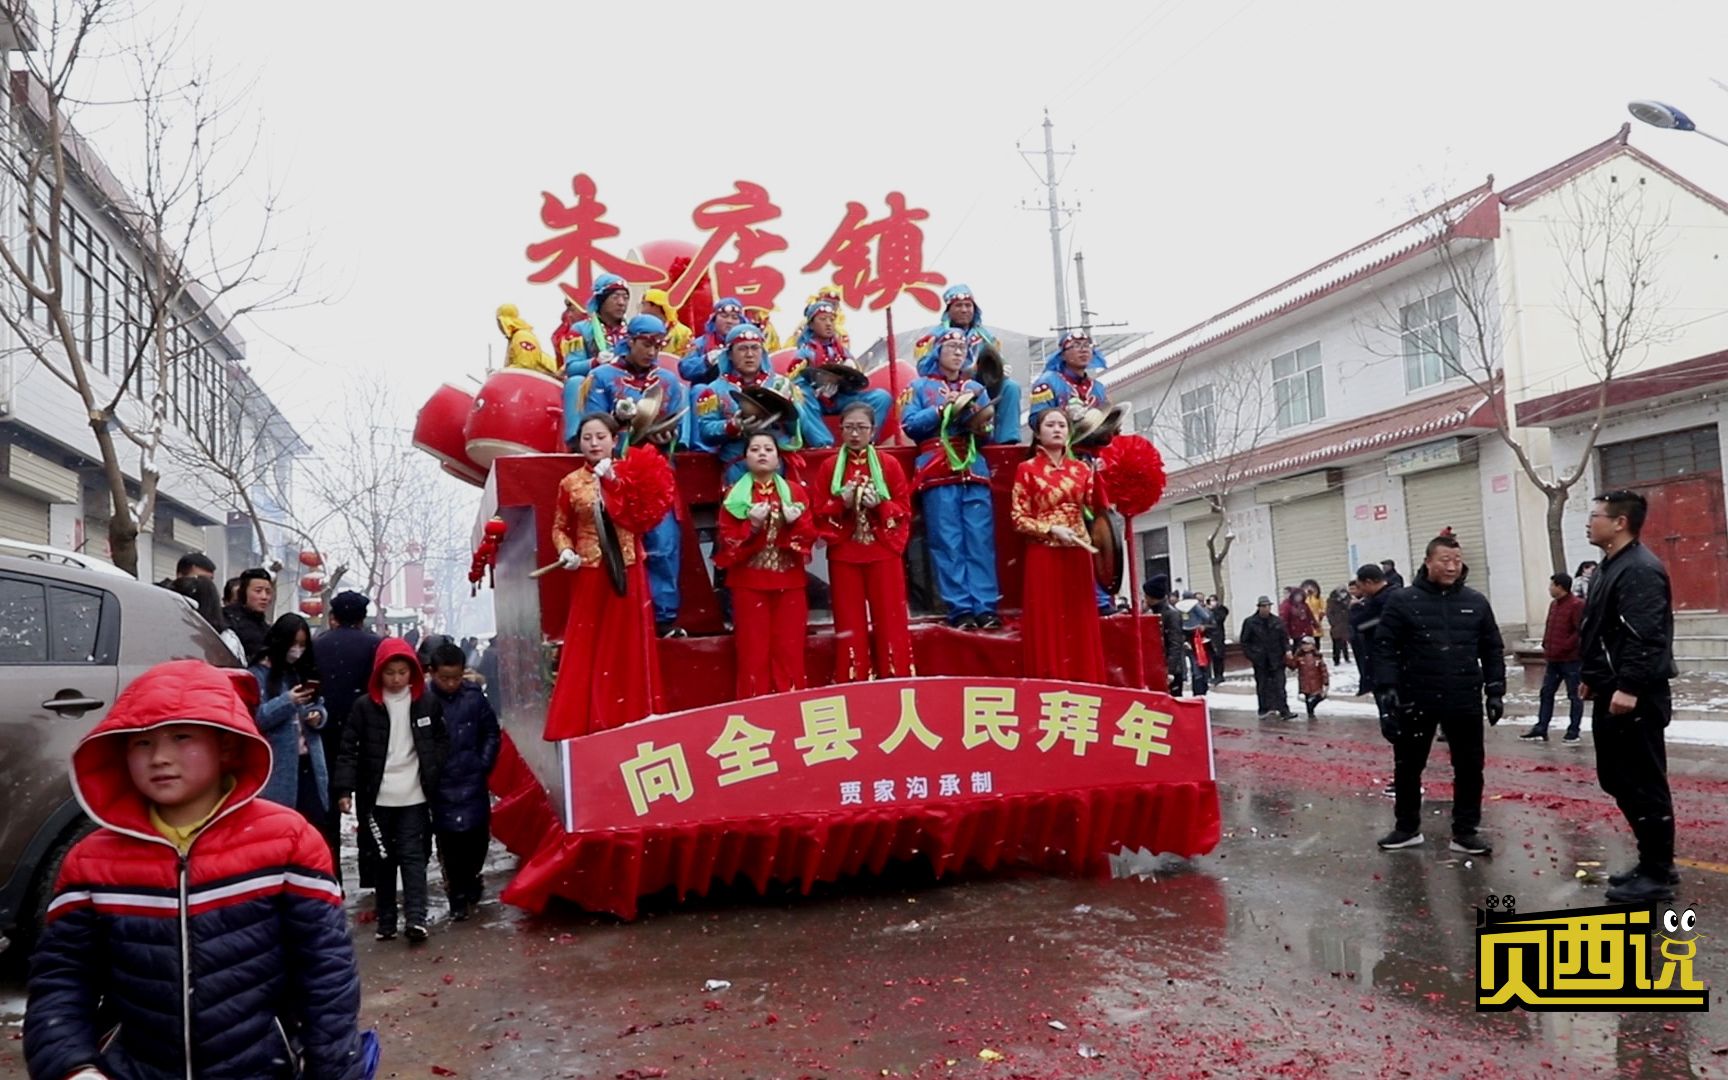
x: 894, y: 382
x: 516, y: 412
x: 438, y: 431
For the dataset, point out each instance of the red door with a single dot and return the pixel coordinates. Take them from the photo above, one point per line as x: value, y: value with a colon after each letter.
x: 1687, y: 528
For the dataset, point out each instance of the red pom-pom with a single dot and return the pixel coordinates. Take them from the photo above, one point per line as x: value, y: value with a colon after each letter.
x: 644, y: 490
x: 1133, y: 474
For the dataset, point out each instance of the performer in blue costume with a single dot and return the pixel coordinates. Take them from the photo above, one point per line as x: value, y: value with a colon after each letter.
x: 984, y: 362
x: 829, y: 375
x: 953, y: 482
x: 632, y: 373
x: 597, y: 337
x: 721, y: 427
x: 701, y: 362
x: 1069, y: 382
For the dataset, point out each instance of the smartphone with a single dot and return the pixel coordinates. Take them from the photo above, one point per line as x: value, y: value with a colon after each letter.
x: 310, y: 684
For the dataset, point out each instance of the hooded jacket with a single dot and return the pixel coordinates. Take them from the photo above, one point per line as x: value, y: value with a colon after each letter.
x: 1440, y: 648
x: 220, y: 963
x: 366, y: 740
x: 461, y: 802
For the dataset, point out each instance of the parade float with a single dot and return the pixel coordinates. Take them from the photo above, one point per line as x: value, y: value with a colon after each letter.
x: 966, y: 765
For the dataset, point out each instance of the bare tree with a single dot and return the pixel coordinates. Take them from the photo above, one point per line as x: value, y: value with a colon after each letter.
x: 135, y: 337
x: 1218, y: 426
x: 1610, y: 239
x: 379, y: 496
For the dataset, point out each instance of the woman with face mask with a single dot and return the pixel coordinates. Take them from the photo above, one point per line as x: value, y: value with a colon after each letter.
x: 289, y: 712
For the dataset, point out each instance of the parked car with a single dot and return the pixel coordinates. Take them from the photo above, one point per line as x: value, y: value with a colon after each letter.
x: 71, y: 637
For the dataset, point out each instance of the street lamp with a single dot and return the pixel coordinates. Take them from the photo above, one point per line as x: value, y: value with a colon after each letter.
x: 1656, y: 114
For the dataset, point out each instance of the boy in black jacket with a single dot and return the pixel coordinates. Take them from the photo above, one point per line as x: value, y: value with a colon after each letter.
x: 462, y: 808
x: 392, y: 751
x: 1626, y: 646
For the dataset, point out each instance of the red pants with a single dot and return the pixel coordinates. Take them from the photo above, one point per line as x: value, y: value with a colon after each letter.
x: 881, y: 586
x: 768, y: 638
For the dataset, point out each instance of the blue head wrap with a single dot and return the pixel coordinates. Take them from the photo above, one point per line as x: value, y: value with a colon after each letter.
x: 1054, y: 361
x: 744, y: 331
x: 811, y: 310
x: 928, y: 365
x: 604, y: 284
x: 720, y: 305
x: 961, y: 292
x: 638, y: 326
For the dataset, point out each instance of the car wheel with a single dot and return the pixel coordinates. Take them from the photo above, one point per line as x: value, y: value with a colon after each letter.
x: 35, y: 910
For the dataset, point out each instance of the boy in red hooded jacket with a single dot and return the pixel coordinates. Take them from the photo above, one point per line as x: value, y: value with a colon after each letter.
x: 393, y: 750
x: 199, y: 930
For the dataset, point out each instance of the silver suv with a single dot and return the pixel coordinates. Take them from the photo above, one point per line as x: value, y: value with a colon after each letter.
x: 71, y: 636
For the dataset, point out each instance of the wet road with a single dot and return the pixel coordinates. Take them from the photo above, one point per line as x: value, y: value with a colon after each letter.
x: 1297, y: 949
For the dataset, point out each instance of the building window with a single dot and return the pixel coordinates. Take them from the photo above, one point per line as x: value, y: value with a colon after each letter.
x: 1199, y: 422
x: 1648, y: 461
x: 1430, y: 333
x: 1299, y: 386
x: 1143, y: 419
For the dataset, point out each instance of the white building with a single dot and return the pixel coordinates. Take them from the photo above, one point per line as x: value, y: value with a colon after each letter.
x: 52, y: 489
x: 1325, y: 421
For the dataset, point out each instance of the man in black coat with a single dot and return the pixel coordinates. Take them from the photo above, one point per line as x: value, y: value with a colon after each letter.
x: 1157, y: 589
x: 1440, y: 663
x: 345, y: 654
x: 1266, y: 645
x: 246, y: 617
x: 1627, y: 651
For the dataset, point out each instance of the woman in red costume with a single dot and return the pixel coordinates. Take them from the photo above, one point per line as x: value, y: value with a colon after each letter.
x: 609, y: 672
x: 766, y: 536
x: 1059, y: 620
x: 864, y: 512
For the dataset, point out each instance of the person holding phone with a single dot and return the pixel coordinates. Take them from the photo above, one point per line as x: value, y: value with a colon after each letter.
x: 290, y: 713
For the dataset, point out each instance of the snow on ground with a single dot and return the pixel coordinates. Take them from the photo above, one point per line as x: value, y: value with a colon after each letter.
x: 1236, y: 695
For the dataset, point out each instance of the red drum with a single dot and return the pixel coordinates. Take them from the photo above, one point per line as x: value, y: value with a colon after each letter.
x: 516, y: 412
x: 894, y: 383
x: 438, y: 431
x: 780, y: 361
x: 477, y: 479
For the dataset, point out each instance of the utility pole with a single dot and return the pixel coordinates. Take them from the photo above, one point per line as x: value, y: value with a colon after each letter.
x: 1050, y: 199
x: 1086, y: 311
x: 1053, y: 206
x: 1080, y: 282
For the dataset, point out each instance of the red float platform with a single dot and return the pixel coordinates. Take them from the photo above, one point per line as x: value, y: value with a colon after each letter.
x: 997, y: 770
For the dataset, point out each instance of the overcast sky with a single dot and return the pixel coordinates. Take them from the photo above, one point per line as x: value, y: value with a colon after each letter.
x: 1221, y: 146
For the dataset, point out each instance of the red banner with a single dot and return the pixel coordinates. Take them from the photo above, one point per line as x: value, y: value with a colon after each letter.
x: 878, y: 745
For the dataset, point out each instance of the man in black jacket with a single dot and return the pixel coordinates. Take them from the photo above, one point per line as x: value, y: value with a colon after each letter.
x: 1439, y: 663
x: 247, y: 617
x: 1628, y: 658
x: 1157, y: 589
x: 1266, y: 645
x: 345, y: 654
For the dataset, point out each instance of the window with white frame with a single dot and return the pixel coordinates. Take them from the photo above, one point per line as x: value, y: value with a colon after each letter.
x: 1430, y: 335
x: 1299, y: 386
x: 1199, y: 422
x: 1143, y: 419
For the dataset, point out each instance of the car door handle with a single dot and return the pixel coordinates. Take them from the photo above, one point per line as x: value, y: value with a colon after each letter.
x: 73, y: 704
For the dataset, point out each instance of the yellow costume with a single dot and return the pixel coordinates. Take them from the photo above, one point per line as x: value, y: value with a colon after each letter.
x: 770, y: 336
x: 524, y: 350
x: 677, y: 334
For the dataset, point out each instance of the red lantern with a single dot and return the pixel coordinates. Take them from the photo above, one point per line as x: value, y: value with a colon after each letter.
x: 311, y: 559
x: 312, y: 606
x: 312, y: 583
